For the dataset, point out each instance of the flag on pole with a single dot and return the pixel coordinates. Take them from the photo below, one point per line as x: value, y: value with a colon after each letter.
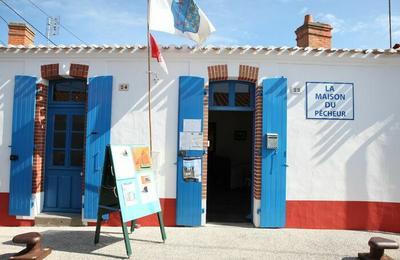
x: 181, y: 17
x: 155, y: 53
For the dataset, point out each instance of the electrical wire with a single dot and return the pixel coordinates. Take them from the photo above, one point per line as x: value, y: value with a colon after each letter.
x: 62, y: 26
x: 2, y: 18
x: 12, y: 9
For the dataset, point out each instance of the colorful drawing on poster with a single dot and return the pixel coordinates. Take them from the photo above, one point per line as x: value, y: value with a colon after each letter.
x: 129, y: 190
x: 192, y: 169
x: 188, y: 169
x: 147, y: 189
x: 141, y: 157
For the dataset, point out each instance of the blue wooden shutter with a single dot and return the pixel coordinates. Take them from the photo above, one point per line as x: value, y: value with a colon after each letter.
x: 273, y: 179
x: 23, y: 126
x: 188, y: 194
x: 97, y: 138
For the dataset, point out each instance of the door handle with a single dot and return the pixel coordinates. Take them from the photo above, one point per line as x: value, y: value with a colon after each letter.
x: 13, y: 157
x: 93, y: 133
x: 286, y: 165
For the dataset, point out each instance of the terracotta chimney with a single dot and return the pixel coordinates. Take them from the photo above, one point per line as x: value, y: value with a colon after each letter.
x: 20, y: 34
x: 314, y: 34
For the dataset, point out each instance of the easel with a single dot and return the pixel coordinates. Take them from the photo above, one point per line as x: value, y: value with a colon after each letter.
x: 109, y: 201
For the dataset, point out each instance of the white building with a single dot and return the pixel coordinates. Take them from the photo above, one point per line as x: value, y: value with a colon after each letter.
x: 335, y: 113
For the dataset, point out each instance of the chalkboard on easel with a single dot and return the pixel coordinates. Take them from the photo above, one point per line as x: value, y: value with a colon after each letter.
x: 128, y: 186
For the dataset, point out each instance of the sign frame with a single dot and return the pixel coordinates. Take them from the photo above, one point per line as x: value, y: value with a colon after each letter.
x: 329, y: 82
x: 110, y: 194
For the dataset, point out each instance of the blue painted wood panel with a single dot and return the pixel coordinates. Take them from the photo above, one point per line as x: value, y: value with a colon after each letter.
x: 63, y: 177
x: 273, y: 179
x: 188, y: 194
x: 97, y: 138
x: 22, y: 145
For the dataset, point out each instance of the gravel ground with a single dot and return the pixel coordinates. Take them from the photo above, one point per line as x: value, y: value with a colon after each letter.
x: 210, y: 242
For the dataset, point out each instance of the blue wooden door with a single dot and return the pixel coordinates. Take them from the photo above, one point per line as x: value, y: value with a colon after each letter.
x: 64, y: 159
x: 22, y: 146
x: 188, y: 193
x: 97, y: 138
x: 273, y: 179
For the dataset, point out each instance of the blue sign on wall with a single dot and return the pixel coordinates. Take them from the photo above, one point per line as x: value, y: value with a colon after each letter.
x: 330, y: 100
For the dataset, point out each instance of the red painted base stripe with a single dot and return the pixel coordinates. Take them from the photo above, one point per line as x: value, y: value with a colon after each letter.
x: 355, y: 215
x: 7, y: 220
x: 168, y: 207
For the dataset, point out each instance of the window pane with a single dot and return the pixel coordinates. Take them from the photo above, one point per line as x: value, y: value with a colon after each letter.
x: 59, y: 140
x: 77, y: 140
x: 60, y: 122
x: 78, y: 123
x: 61, y: 91
x: 76, y: 158
x: 221, y: 94
x: 78, y: 91
x: 58, y: 157
x: 69, y: 90
x: 78, y: 96
x: 242, y: 95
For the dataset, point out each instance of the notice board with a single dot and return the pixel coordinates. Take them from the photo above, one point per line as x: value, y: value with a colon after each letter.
x: 128, y: 187
x: 135, y: 181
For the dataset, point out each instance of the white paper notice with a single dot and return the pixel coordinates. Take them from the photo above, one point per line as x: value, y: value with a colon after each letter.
x: 191, y: 141
x: 197, y: 169
x: 191, y: 125
x: 192, y: 169
x: 128, y: 189
x: 123, y: 163
x: 147, y: 189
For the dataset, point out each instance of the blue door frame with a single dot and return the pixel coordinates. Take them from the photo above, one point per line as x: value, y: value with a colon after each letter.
x: 188, y: 192
x: 273, y: 172
x: 233, y: 107
x: 22, y: 146
x: 64, y: 153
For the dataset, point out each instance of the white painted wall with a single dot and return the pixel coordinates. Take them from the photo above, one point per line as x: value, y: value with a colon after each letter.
x: 329, y: 160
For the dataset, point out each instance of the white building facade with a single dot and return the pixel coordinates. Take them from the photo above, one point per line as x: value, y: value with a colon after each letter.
x: 303, y: 137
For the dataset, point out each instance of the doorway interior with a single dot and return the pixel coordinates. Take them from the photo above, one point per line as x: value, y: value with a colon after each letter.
x: 230, y: 154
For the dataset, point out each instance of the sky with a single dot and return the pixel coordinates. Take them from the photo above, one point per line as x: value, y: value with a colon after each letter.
x: 357, y: 23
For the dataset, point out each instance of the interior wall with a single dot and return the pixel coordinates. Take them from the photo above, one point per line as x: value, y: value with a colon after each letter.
x: 234, y: 139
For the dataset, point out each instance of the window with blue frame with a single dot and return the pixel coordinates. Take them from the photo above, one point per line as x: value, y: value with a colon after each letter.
x: 70, y: 91
x: 66, y: 122
x: 231, y: 95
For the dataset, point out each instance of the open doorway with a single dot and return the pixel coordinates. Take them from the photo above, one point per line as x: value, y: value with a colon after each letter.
x: 229, y: 173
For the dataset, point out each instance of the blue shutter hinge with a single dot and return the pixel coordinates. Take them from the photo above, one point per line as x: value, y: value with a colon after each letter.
x: 205, y: 91
x: 259, y: 152
x: 202, y: 211
x: 258, y: 211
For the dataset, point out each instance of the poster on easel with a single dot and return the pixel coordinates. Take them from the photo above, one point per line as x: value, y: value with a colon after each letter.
x: 134, y: 175
x: 129, y: 187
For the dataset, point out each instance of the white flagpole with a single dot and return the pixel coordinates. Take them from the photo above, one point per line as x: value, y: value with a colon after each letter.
x: 148, y: 74
x: 390, y: 25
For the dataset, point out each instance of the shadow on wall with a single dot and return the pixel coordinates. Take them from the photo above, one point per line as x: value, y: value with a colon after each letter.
x: 294, y: 99
x: 129, y: 119
x: 6, y: 91
x: 368, y: 148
